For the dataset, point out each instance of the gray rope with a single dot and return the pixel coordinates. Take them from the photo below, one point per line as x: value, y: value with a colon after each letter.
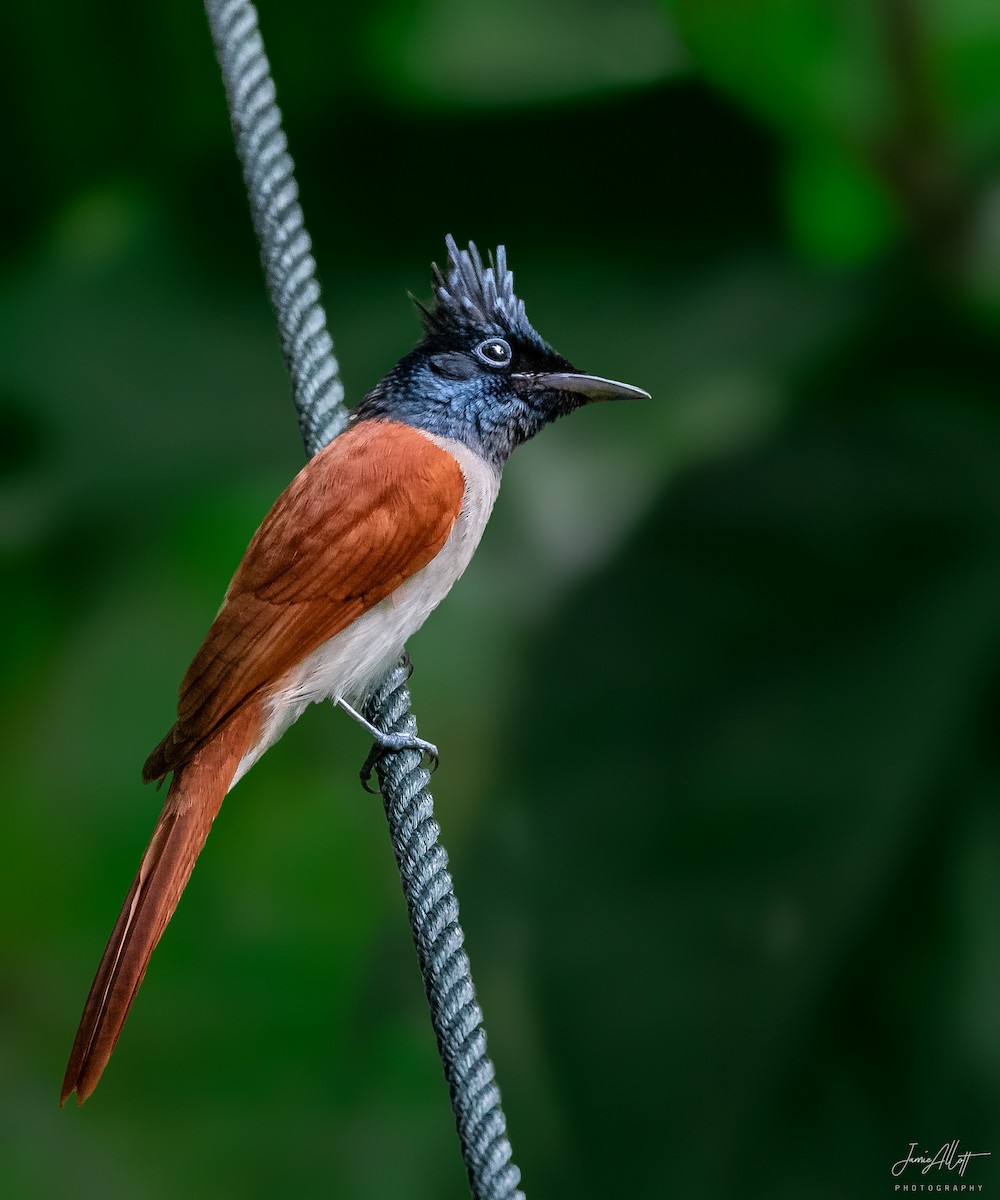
x: 285, y: 248
x: 423, y: 864
x: 433, y: 909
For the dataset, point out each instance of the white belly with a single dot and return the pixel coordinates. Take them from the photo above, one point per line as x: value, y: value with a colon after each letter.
x: 350, y: 664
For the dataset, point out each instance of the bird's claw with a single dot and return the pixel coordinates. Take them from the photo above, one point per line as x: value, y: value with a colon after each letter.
x: 391, y: 743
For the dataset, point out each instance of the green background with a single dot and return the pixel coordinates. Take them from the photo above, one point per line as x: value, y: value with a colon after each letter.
x: 718, y: 699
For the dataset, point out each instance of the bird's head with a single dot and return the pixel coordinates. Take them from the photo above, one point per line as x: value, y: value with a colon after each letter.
x: 481, y: 374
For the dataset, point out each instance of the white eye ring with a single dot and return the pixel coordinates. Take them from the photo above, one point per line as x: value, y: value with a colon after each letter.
x: 494, y: 352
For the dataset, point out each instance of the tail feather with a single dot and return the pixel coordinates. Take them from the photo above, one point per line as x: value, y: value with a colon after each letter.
x: 193, y: 802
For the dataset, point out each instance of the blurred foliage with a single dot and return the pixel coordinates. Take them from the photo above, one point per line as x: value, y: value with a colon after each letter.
x: 889, y: 109
x: 717, y: 700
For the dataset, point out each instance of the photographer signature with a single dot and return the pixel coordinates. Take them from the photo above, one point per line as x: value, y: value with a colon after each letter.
x: 947, y: 1157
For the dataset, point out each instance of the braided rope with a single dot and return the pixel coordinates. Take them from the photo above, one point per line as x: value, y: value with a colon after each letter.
x: 438, y: 936
x: 289, y: 269
x: 285, y: 248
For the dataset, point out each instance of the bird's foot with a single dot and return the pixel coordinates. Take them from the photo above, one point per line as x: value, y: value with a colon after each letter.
x: 389, y: 743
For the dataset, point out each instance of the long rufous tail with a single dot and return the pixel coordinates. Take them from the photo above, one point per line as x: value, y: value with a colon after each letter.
x: 193, y: 802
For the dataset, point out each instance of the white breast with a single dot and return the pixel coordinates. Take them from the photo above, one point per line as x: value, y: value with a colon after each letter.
x: 350, y: 664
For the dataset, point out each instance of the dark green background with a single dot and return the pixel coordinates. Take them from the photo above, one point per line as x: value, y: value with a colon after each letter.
x: 718, y: 700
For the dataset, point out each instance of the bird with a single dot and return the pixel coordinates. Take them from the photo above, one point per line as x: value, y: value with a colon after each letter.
x: 354, y: 555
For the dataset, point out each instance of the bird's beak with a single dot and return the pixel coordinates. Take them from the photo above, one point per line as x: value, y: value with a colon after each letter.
x: 590, y: 386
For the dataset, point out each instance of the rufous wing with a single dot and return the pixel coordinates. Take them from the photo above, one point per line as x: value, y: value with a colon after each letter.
x: 366, y: 513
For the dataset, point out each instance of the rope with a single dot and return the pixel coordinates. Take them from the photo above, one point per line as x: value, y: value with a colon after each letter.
x: 285, y: 248
x: 289, y: 269
x: 438, y: 937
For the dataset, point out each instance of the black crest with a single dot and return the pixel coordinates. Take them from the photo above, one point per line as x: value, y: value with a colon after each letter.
x: 475, y: 296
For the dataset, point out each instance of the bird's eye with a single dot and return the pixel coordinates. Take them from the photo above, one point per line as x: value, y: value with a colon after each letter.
x: 495, y: 352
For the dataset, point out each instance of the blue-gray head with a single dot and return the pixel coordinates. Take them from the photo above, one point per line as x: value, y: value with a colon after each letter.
x: 482, y: 374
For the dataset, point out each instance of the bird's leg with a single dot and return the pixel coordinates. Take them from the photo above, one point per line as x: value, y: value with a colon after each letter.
x: 387, y: 742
